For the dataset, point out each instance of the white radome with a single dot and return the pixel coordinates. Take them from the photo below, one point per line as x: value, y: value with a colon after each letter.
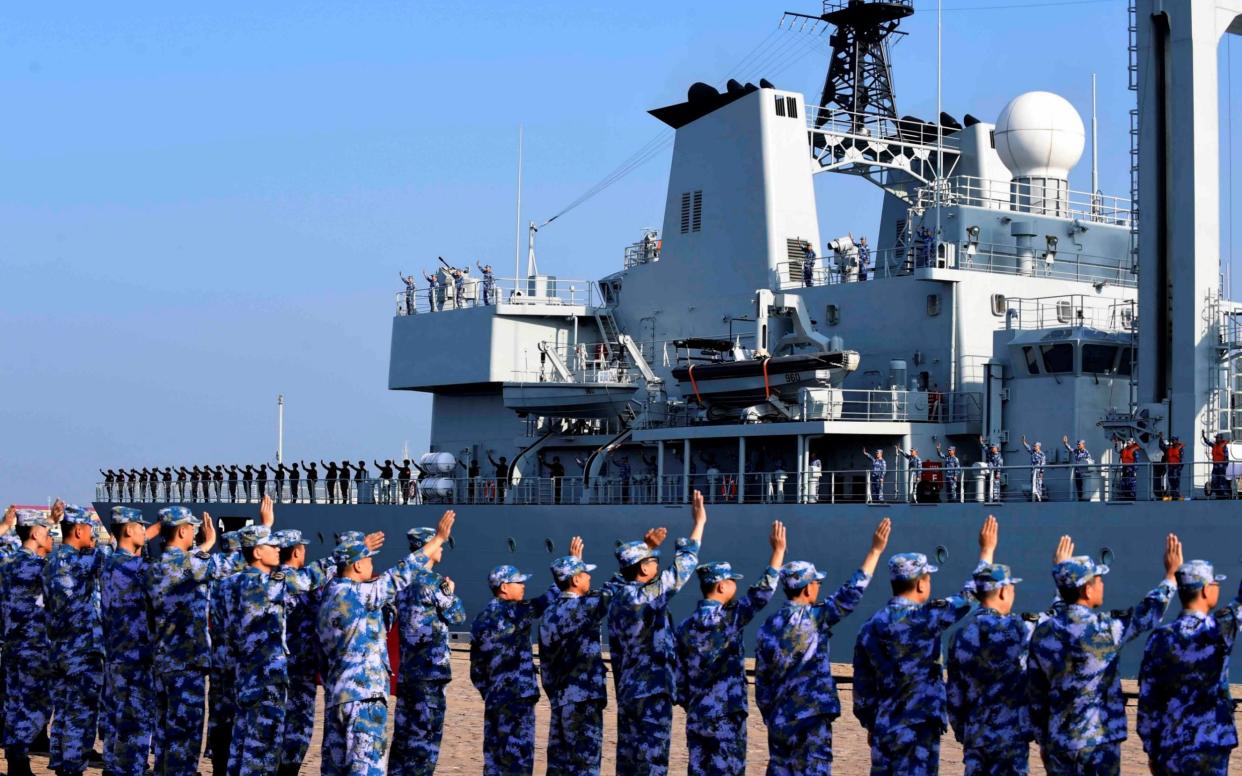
x: 1040, y: 135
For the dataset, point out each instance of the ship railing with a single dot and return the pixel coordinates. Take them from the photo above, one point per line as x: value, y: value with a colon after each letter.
x: 932, y: 483
x: 992, y: 258
x: 911, y: 133
x: 852, y: 404
x: 1069, y: 310
x: 1051, y: 199
x: 587, y: 363
x: 474, y: 292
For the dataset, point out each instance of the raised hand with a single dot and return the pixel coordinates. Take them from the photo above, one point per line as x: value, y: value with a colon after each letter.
x: 697, y: 510
x: 444, y: 529
x: 777, y: 536
x: 267, y: 512
x: 10, y: 519
x: 1172, y: 555
x: 988, y: 536
x: 209, y: 532
x: 374, y: 540
x: 655, y: 536
x: 1065, y: 550
x: 1064, y: 439
x: 879, y: 539
x: 576, y: 546
x: 58, y: 511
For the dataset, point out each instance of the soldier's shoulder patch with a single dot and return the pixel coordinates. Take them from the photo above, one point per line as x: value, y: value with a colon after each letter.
x: 1030, y: 616
x: 1119, y: 613
x: 278, y: 576
x: 203, y: 555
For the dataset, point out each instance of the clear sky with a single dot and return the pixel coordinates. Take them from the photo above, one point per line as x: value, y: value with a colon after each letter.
x: 202, y: 206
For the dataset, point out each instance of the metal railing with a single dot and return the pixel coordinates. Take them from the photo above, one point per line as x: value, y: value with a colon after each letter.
x: 477, y: 292
x: 1069, y: 310
x: 876, y: 405
x: 1019, y: 196
x: 1101, y: 483
x: 587, y: 363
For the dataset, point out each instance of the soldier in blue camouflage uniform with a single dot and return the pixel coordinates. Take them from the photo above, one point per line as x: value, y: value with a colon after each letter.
x: 641, y: 640
x: 424, y: 612
x: 502, y: 669
x: 712, y: 675
x: 899, y: 695
x: 129, y: 682
x: 1077, y: 708
x: 1185, y: 712
x: 1081, y: 458
x: 1039, y: 460
x: 221, y: 707
x: 571, y: 667
x: 991, y: 455
x: 952, y: 472
x: 178, y: 594
x: 987, y: 675
x: 256, y: 601
x: 71, y: 605
x: 794, y: 688
x: 353, y: 636
x: 879, y: 467
x: 304, y: 656
x: 27, y: 653
x: 9, y: 545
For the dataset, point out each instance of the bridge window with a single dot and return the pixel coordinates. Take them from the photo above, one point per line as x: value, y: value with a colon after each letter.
x: 1099, y: 359
x: 1058, y: 359
x: 1032, y: 360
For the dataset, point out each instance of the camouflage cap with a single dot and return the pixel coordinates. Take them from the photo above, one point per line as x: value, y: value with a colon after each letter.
x: 419, y: 537
x: 28, y: 518
x: 231, y: 540
x: 1195, y: 574
x: 905, y: 566
x: 503, y: 574
x: 352, y: 551
x: 797, y: 574
x: 711, y: 573
x: 350, y: 536
x: 1077, y: 571
x: 564, y: 569
x: 993, y: 576
x: 630, y: 553
x: 288, y: 537
x: 76, y: 515
x: 123, y: 515
x: 257, y: 536
x: 173, y: 516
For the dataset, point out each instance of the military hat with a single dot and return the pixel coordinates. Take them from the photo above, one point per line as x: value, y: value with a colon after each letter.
x: 352, y: 551
x: 564, y: 569
x: 630, y: 553
x: 350, y: 536
x: 257, y: 536
x: 797, y: 574
x: 28, y: 518
x: 711, y: 573
x: 993, y: 576
x: 288, y: 537
x: 173, y: 516
x: 1077, y: 571
x: 502, y: 574
x: 123, y: 515
x: 77, y: 515
x: 1194, y: 574
x: 905, y: 566
x: 231, y: 540
x: 419, y: 537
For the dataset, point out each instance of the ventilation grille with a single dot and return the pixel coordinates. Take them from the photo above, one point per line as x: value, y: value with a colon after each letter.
x: 786, y: 107
x: 691, y: 211
x: 780, y: 105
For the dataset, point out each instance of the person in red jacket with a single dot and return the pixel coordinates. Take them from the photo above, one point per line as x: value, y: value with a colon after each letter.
x: 1219, y: 487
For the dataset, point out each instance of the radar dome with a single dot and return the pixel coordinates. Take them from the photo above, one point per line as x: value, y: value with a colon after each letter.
x: 1040, y: 135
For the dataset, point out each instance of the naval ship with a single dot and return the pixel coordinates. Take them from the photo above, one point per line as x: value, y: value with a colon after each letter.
x: 993, y: 304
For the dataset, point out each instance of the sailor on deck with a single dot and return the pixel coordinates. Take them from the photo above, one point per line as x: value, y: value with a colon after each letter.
x: 952, y: 471
x: 1081, y: 458
x: 879, y: 467
x: 1174, y: 452
x: 808, y: 265
x: 1038, y: 461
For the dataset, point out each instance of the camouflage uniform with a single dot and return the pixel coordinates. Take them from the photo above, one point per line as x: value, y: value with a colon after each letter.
x: 127, y: 644
x: 255, y: 602
x: 1185, y: 713
x: 573, y: 673
x: 304, y: 665
x: 177, y: 589
x: 794, y: 688
x: 899, y: 696
x: 1077, y: 708
x: 987, y: 683
x: 27, y: 661
x: 424, y: 612
x: 712, y: 676
x: 644, y: 657
x: 502, y: 669
x: 352, y: 633
x: 74, y: 631
x: 9, y: 545
x: 221, y: 706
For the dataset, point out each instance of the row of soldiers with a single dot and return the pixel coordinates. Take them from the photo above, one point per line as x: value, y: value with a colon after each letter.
x: 141, y: 625
x: 250, y: 483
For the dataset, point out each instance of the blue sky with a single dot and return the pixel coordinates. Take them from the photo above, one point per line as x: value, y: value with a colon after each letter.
x: 204, y: 206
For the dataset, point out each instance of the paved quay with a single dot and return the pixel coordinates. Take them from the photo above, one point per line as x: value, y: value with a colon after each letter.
x: 463, y: 727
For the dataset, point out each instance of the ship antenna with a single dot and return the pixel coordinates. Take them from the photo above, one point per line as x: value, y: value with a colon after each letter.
x: 517, y: 218
x: 1095, y: 150
x: 280, y: 428
x: 939, y: 122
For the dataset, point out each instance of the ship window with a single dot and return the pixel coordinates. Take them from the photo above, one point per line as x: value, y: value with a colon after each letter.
x: 933, y: 305
x: 833, y: 314
x: 780, y: 105
x: 696, y: 212
x: 1032, y: 362
x: 791, y: 107
x: 1058, y: 359
x: 1125, y: 364
x: 999, y: 305
x: 1099, y: 359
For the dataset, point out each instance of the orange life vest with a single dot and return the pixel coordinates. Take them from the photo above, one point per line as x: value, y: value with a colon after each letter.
x: 1175, y: 453
x: 1128, y: 454
x: 1219, y: 453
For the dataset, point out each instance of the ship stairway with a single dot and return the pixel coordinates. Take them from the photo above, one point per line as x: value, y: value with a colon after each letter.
x: 524, y: 458
x: 595, y: 464
x: 609, y: 332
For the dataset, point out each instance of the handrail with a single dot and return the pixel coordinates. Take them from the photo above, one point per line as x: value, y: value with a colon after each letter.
x: 1026, y: 197
x: 842, y: 404
x: 446, y: 296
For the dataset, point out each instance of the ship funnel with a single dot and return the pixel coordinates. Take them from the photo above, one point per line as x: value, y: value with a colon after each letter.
x: 1040, y: 137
